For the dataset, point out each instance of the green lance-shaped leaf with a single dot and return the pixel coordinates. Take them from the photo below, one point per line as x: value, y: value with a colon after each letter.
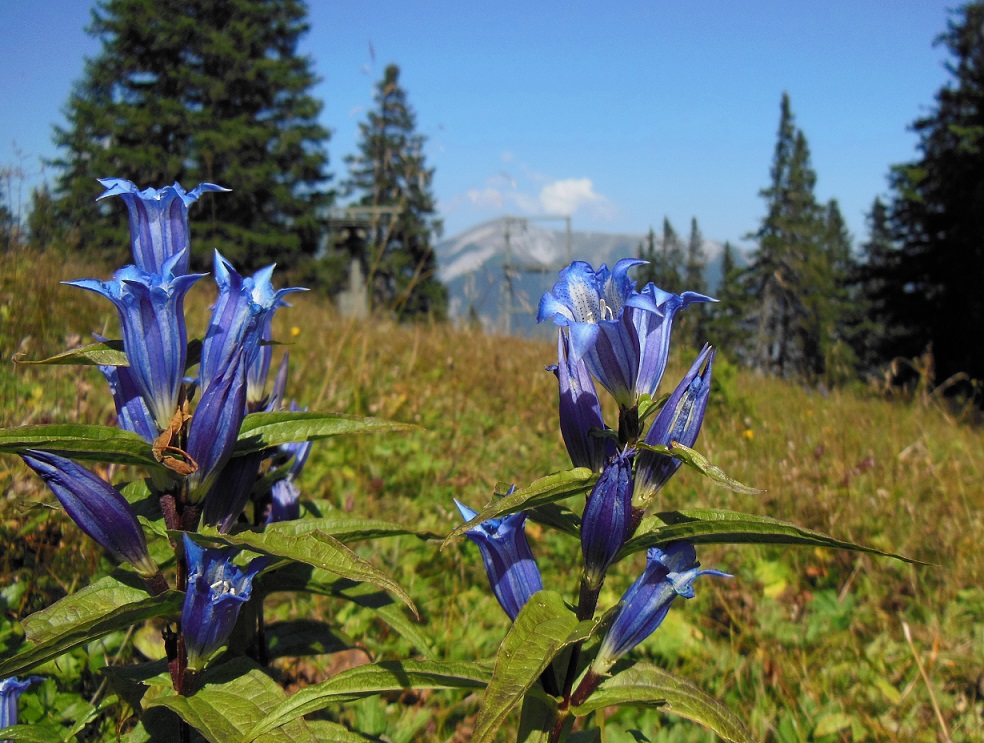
x: 234, y: 697
x: 112, y: 603
x: 300, y: 577
x: 645, y: 685
x: 543, y: 628
x: 714, y: 526
x: 314, y: 548
x: 546, y: 490
x: 80, y: 441
x: 263, y: 430
x: 369, y: 680
x: 109, y: 353
x: 33, y: 733
x: 697, y: 461
x: 350, y: 529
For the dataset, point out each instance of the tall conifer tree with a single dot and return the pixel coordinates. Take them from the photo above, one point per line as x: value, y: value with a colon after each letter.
x: 390, y: 171
x: 936, y: 214
x: 671, y: 261
x: 193, y: 91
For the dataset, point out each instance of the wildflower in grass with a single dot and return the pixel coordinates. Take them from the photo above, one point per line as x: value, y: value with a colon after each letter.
x: 679, y: 421
x: 605, y: 522
x: 622, y: 334
x: 509, y: 563
x: 215, y: 425
x: 97, y: 507
x: 158, y: 221
x: 10, y: 691
x: 217, y: 589
x: 644, y: 606
x: 240, y: 317
x: 151, y: 309
x: 580, y: 411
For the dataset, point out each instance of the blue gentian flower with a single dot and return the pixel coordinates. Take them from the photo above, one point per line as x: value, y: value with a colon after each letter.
x: 97, y: 507
x: 214, y: 427
x: 132, y: 412
x: 509, y: 562
x: 158, y: 221
x: 217, y: 589
x: 591, y: 305
x: 285, y: 501
x: 644, y: 606
x: 580, y: 411
x: 607, y: 516
x: 10, y: 691
x: 679, y: 420
x: 654, y: 333
x: 240, y: 317
x: 151, y: 309
x: 231, y: 491
x: 622, y: 334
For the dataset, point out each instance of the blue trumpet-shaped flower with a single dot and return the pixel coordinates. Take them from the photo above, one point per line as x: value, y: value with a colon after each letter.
x: 97, y: 507
x: 679, y: 421
x: 231, y: 491
x: 607, y: 517
x: 622, y: 334
x: 10, y: 691
x: 217, y: 589
x: 509, y: 562
x: 158, y: 221
x: 151, y: 309
x: 215, y: 426
x: 644, y: 606
x: 240, y: 317
x: 654, y: 333
x: 580, y: 411
x: 132, y: 412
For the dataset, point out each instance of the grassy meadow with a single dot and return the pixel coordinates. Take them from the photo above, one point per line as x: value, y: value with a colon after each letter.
x: 803, y: 644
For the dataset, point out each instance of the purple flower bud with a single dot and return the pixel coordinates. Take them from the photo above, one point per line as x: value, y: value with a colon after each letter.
x: 580, y: 411
x: 217, y: 589
x: 231, y: 490
x: 509, y: 563
x: 606, y: 519
x: 644, y: 606
x: 215, y: 425
x: 679, y: 420
x: 285, y: 501
x: 10, y: 691
x: 97, y: 507
x: 158, y: 221
x: 151, y: 309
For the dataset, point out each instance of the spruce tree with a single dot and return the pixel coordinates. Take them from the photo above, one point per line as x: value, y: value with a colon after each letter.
x: 936, y: 211
x: 669, y: 269
x: 873, y: 334
x: 200, y: 91
x: 727, y: 326
x: 390, y: 171
x: 696, y: 260
x: 648, y: 273
x: 788, y: 265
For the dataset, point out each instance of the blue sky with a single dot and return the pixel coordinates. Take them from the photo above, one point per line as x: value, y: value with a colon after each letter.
x: 618, y: 115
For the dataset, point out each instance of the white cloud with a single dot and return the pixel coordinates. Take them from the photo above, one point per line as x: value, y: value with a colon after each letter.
x: 569, y: 195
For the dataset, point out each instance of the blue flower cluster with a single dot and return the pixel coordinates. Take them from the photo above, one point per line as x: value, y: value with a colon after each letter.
x: 155, y: 399
x: 617, y: 338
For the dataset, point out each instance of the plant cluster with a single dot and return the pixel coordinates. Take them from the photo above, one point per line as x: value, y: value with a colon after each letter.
x: 215, y: 524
